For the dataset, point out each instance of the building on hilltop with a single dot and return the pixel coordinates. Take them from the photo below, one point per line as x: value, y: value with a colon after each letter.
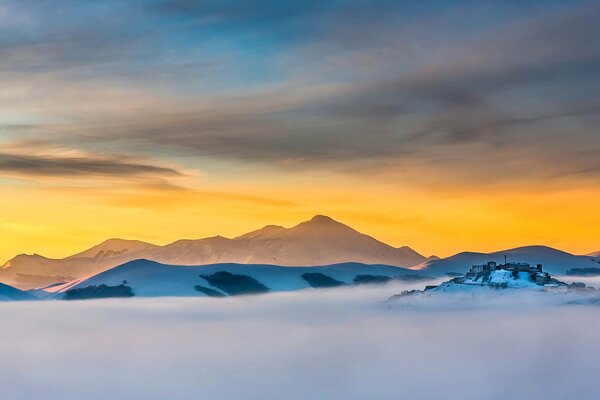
x: 536, y: 273
x: 509, y: 266
x: 483, y: 268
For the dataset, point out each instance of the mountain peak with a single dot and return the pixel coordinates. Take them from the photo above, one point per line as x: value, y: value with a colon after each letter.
x: 114, y: 247
x: 268, y: 230
x: 323, y: 220
x: 321, y: 223
x: 23, y: 258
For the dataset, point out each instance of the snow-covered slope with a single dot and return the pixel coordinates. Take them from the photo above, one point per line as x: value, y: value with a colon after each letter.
x: 498, y: 287
x: 149, y: 278
x: 595, y: 254
x: 554, y: 261
x: 320, y: 241
x: 9, y: 293
x: 33, y: 271
x: 500, y: 278
x: 113, y: 248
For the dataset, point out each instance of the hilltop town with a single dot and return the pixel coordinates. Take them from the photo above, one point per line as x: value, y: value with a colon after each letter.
x: 510, y: 275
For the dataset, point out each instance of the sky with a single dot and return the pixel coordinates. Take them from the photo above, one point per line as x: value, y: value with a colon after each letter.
x: 442, y: 125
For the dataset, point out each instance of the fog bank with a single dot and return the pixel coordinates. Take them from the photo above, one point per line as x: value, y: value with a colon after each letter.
x: 335, y: 344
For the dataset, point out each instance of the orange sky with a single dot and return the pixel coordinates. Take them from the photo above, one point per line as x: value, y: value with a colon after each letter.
x: 58, y: 220
x: 447, y: 126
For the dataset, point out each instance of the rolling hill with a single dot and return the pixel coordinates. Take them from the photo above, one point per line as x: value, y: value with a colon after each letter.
x: 151, y: 279
x: 9, y: 293
x: 556, y: 262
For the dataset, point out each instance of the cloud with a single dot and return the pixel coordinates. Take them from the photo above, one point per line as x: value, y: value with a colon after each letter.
x: 88, y: 165
x: 382, y: 87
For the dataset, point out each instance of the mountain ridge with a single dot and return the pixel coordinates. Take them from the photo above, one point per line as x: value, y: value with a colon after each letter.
x: 9, y: 293
x: 554, y: 260
x: 318, y: 241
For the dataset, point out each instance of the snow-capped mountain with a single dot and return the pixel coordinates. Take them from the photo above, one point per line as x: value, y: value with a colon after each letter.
x: 32, y: 271
x: 595, y: 254
x: 319, y: 241
x: 150, y: 279
x: 554, y: 261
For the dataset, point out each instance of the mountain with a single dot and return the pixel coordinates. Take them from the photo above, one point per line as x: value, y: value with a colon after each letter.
x: 595, y: 254
x: 32, y: 271
x: 322, y: 241
x: 113, y: 248
x: 319, y: 241
x: 9, y: 293
x: 554, y: 261
x: 151, y: 279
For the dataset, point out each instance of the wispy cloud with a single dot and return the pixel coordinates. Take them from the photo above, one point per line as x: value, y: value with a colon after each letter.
x: 77, y: 166
x: 37, y: 159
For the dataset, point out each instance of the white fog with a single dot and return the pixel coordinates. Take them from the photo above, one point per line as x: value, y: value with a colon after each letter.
x: 305, y: 345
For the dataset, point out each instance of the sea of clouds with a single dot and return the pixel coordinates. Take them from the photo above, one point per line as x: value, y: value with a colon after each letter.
x: 330, y: 344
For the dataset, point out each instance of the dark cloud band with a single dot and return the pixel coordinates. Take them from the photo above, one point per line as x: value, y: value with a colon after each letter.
x: 78, y: 166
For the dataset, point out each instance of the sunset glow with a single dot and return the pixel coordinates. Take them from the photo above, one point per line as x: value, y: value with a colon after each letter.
x: 438, y: 127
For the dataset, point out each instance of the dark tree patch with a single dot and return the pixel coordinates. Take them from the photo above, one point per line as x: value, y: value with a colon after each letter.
x: 235, y: 285
x: 319, y: 280
x: 98, y: 292
x: 367, y: 279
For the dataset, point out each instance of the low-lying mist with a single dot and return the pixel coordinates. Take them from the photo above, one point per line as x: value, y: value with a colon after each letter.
x: 329, y: 344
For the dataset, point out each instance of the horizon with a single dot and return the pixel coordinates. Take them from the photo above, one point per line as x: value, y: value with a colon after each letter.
x: 443, y: 126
